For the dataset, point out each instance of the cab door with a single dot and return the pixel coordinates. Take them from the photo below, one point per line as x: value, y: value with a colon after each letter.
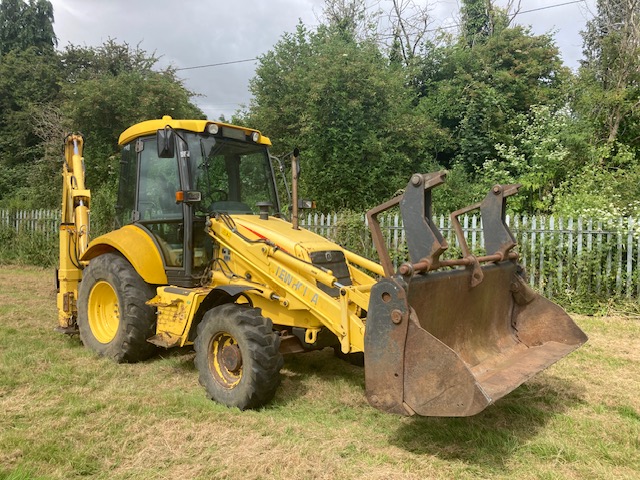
x: 157, y: 210
x: 146, y: 198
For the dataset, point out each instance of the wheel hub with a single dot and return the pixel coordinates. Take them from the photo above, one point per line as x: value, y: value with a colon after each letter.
x: 225, y: 360
x: 231, y: 358
x: 103, y: 312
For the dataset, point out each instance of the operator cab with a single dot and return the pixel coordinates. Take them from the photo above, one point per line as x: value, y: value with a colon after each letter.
x: 175, y: 173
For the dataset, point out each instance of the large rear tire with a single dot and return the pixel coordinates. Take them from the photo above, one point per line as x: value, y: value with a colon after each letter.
x: 113, y: 318
x: 238, y: 357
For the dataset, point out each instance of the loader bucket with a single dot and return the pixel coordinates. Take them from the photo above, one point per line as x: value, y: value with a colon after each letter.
x: 451, y: 342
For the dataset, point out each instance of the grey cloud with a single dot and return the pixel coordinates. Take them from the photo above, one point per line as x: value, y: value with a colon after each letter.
x: 192, y: 33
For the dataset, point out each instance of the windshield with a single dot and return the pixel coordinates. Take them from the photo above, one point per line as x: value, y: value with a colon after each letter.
x: 232, y: 176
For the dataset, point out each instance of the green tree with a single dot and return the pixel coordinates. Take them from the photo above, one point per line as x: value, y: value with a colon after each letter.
x: 477, y: 24
x: 603, y: 191
x: 122, y: 88
x: 353, y: 100
x: 111, y: 58
x: 348, y: 18
x: 24, y: 25
x: 108, y: 89
x: 425, y: 106
x: 604, y: 150
x: 30, y: 75
x: 610, y: 73
x: 280, y: 91
x: 98, y: 91
x: 348, y: 109
x: 479, y: 92
x: 28, y: 80
x: 537, y: 159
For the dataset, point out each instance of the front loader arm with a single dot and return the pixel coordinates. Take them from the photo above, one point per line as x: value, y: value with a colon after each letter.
x: 287, y: 287
x: 74, y: 231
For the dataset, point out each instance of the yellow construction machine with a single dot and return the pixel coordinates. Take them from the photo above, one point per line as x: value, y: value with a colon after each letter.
x: 203, y: 256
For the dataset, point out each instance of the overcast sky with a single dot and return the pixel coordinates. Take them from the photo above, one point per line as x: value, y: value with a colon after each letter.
x: 201, y: 32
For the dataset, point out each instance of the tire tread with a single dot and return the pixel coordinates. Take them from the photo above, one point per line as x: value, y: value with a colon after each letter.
x: 137, y: 319
x: 261, y: 341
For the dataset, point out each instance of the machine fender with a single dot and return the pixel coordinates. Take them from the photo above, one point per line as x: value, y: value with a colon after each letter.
x: 224, y: 294
x: 220, y: 295
x: 234, y: 290
x: 137, y: 247
x: 217, y: 296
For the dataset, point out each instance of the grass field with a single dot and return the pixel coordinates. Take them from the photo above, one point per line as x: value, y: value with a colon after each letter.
x: 67, y: 414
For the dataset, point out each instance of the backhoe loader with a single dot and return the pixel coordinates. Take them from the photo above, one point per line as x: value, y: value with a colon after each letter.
x: 203, y: 256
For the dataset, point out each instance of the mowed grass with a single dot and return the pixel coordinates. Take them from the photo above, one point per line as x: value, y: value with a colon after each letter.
x: 66, y: 414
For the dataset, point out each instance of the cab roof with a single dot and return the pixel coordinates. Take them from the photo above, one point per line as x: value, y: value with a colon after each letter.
x: 150, y: 127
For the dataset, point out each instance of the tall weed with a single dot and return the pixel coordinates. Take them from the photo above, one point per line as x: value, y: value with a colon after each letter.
x: 28, y: 248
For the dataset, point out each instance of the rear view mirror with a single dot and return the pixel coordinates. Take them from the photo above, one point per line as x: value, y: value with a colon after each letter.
x: 166, y: 142
x: 305, y: 204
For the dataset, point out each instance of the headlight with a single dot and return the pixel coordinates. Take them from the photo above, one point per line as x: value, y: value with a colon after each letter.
x: 212, y: 128
x: 255, y: 137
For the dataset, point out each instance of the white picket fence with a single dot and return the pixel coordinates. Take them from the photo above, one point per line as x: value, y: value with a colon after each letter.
x: 45, y: 222
x: 561, y: 256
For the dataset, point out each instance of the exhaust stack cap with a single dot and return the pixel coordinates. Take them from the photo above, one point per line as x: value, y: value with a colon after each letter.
x: 264, y: 209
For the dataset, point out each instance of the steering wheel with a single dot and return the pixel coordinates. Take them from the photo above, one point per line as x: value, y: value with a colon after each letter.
x: 215, y: 193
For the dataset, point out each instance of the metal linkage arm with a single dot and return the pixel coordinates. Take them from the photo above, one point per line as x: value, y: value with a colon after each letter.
x: 424, y: 240
x: 498, y: 239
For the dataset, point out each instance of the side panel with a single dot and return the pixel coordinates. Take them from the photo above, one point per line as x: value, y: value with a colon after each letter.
x: 137, y: 247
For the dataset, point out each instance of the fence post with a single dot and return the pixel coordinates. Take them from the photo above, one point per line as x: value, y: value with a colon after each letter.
x: 609, y: 264
x: 474, y: 233
x: 552, y: 252
x: 619, y: 259
x: 629, y: 255
x: 570, y: 255
x: 560, y: 253
x: 581, y: 274
x: 541, y: 272
x: 403, y: 239
x: 524, y: 245
x: 600, y: 256
x: 637, y: 277
x: 533, y: 250
x: 396, y: 246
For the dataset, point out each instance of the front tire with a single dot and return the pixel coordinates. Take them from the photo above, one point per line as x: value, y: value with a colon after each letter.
x: 237, y: 356
x: 113, y: 318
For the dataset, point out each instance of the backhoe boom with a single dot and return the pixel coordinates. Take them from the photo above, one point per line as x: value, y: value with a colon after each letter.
x: 74, y: 231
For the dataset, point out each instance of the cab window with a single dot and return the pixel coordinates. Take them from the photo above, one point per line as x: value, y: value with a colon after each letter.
x: 157, y: 210
x: 125, y: 206
x: 232, y: 176
x: 159, y: 182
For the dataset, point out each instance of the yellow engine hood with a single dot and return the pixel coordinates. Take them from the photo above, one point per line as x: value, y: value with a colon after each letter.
x: 280, y: 232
